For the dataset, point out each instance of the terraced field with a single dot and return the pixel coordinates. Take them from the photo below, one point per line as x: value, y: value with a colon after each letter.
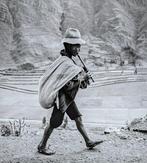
x: 113, y: 98
x: 15, y: 80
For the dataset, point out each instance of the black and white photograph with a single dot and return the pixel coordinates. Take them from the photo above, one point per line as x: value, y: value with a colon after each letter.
x: 73, y: 81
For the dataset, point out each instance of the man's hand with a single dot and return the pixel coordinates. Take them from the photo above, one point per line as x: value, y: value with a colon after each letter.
x: 87, y: 77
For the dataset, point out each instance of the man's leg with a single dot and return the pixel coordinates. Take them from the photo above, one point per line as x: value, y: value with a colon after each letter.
x: 74, y: 114
x: 42, y: 146
x: 55, y: 121
x: 89, y: 143
x: 47, y: 132
x: 81, y: 129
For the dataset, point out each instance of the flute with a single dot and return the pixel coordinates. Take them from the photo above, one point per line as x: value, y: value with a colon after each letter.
x: 84, y: 67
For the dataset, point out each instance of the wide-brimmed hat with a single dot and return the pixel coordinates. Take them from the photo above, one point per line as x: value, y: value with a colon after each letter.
x: 73, y: 36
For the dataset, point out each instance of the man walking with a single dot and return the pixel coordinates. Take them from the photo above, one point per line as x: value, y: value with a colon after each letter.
x: 59, y: 86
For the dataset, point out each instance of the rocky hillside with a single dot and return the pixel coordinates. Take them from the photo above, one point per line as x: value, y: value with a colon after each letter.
x: 31, y: 31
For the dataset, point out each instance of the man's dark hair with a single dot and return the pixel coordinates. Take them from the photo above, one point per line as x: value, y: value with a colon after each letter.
x: 67, y: 47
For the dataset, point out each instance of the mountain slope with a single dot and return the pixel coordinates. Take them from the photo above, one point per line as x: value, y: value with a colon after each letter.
x: 31, y: 31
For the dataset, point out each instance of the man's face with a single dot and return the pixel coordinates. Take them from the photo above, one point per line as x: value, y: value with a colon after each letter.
x: 75, y: 49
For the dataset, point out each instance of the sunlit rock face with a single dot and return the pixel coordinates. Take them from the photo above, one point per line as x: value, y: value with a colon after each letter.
x: 36, y: 29
x: 31, y: 31
x: 6, y: 35
x: 119, y: 26
x: 78, y: 14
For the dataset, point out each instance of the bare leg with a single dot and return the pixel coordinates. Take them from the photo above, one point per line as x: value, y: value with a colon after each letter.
x: 55, y: 121
x: 42, y: 146
x: 81, y: 129
x: 47, y: 132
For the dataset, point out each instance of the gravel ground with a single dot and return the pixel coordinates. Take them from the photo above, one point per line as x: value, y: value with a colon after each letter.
x: 120, y: 146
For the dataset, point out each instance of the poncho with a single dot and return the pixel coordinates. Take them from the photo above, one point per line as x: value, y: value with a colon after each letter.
x: 61, y: 71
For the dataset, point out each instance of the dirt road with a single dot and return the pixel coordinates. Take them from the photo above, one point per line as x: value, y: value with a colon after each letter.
x: 119, y: 147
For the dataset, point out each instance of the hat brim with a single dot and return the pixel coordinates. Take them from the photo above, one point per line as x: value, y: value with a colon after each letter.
x: 74, y: 41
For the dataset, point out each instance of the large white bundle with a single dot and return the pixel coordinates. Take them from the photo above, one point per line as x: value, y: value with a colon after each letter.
x: 56, y: 76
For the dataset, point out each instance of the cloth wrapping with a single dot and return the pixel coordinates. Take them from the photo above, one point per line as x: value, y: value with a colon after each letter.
x: 61, y: 71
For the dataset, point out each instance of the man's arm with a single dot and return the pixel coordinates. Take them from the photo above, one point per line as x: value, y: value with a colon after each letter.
x: 81, y: 80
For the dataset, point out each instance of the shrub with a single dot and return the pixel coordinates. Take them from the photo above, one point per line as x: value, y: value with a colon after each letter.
x: 5, y: 130
x: 26, y: 66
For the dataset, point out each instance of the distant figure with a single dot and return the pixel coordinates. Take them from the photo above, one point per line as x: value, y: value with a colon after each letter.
x: 59, y: 86
x: 121, y: 65
x: 134, y: 58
